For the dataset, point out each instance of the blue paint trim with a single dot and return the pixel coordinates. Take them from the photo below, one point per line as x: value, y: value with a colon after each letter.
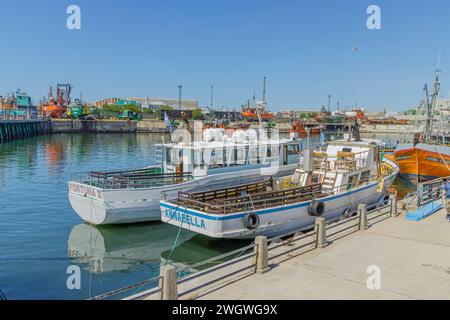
x: 262, y: 212
x: 425, y: 211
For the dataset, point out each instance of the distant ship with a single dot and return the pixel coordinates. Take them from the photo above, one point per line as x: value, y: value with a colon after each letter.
x: 429, y: 156
x: 56, y: 106
x: 257, y: 111
x: 254, y: 113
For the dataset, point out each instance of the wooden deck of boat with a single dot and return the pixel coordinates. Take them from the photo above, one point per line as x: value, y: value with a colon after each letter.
x: 254, y: 196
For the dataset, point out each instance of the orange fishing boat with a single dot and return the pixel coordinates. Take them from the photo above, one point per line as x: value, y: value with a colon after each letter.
x: 423, y: 161
x: 250, y: 114
x: 429, y: 157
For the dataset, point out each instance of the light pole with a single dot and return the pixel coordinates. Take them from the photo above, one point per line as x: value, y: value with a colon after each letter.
x: 329, y: 103
x: 180, y: 87
x: 212, y: 98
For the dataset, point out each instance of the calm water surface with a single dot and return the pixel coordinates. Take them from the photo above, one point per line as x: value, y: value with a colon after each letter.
x: 41, y: 236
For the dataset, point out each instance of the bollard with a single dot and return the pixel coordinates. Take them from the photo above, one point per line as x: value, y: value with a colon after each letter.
x: 262, y: 255
x: 362, y: 212
x: 168, y: 283
x: 321, y: 233
x: 393, y: 200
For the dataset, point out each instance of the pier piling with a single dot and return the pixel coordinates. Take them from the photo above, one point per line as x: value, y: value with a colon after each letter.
x: 445, y: 203
x: 11, y: 130
x: 262, y: 255
x: 321, y: 233
x: 168, y: 283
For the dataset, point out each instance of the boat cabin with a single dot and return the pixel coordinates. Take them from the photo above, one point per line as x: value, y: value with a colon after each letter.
x: 342, y: 166
x: 244, y: 150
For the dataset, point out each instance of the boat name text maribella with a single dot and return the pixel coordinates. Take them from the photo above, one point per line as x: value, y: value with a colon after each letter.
x: 174, y: 214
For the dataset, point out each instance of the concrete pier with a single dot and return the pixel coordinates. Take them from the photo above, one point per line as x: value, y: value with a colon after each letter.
x: 413, y: 260
x: 11, y: 130
x: 93, y: 126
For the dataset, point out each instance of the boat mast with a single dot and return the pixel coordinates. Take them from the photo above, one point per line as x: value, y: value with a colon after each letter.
x: 261, y: 125
x: 434, y: 98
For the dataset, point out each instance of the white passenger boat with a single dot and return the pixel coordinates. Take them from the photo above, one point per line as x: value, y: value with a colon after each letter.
x: 218, y: 159
x: 331, y: 184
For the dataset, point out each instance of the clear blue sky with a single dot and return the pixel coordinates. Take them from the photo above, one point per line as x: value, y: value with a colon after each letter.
x: 304, y: 48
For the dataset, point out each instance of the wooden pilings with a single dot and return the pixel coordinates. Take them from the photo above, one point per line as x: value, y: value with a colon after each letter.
x: 21, y: 129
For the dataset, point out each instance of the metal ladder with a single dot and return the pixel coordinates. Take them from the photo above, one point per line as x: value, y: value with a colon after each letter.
x: 158, y: 155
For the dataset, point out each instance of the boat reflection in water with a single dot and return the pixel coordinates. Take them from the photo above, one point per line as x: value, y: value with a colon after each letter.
x: 188, y: 257
x: 114, y: 248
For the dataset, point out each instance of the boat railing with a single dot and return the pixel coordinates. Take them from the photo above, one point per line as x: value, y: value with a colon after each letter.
x: 222, y: 201
x: 347, y: 161
x: 76, y: 176
x: 141, y: 178
x: 251, y: 202
x: 432, y: 190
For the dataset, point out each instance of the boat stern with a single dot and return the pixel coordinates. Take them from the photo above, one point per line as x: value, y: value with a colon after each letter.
x: 88, y: 203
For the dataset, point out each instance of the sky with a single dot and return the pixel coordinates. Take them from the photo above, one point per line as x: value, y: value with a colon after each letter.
x: 139, y: 48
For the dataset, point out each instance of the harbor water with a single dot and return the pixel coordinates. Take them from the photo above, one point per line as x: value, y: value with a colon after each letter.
x: 41, y: 236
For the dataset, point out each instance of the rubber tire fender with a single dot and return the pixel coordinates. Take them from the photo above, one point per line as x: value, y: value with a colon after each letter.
x: 316, y: 208
x: 251, y: 221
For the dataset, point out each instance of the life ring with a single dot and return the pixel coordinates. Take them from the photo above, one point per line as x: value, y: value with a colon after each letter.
x: 251, y: 221
x: 316, y: 208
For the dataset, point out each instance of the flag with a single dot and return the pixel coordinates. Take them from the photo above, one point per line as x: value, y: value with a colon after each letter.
x: 167, y: 121
x: 322, y: 138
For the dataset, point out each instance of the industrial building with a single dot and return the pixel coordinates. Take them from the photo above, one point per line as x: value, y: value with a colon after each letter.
x: 151, y: 102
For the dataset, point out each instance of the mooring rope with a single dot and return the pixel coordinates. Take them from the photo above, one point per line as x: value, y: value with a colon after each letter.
x: 442, y: 158
x: 2, y: 295
x: 176, y: 239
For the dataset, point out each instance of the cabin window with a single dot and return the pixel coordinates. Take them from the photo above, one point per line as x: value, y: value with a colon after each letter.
x: 352, y: 181
x: 315, y: 178
x: 364, y: 177
x: 293, y: 149
x: 347, y: 149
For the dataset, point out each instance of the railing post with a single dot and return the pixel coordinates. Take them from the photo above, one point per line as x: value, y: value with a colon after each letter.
x: 262, y: 255
x: 362, y: 213
x: 168, y: 283
x: 445, y: 202
x: 393, y: 200
x: 321, y: 233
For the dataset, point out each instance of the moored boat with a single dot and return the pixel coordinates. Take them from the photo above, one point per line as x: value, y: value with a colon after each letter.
x: 129, y: 196
x: 330, y: 184
x: 422, y: 162
x: 429, y: 156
